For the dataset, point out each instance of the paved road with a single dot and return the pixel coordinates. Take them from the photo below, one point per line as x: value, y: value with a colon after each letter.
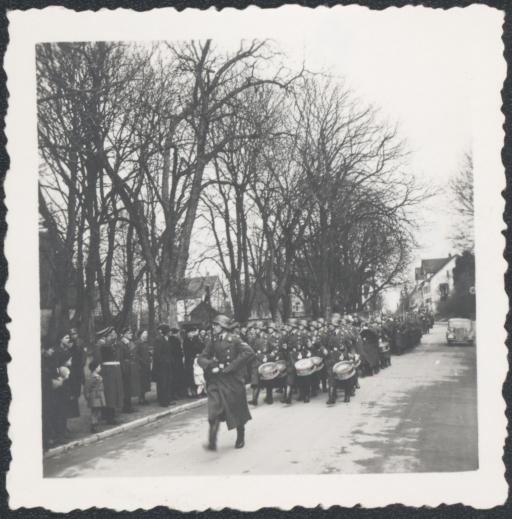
x: 419, y: 415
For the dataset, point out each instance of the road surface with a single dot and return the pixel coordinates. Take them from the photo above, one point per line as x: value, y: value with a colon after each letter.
x: 419, y: 415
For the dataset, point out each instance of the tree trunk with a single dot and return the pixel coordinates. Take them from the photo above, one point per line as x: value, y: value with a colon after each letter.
x: 325, y: 295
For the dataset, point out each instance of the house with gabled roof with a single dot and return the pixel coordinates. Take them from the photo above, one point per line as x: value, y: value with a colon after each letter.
x: 194, y: 292
x: 434, y: 282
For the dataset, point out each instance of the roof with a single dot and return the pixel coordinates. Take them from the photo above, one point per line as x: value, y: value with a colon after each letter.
x: 202, y: 313
x: 431, y: 266
x: 194, y: 288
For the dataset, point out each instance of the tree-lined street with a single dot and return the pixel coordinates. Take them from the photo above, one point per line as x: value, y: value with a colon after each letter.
x: 419, y: 415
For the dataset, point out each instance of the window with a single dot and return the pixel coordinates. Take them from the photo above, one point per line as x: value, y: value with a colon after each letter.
x: 443, y: 291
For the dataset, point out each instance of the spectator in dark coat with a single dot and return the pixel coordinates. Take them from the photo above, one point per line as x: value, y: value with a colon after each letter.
x: 108, y: 353
x: 163, y: 366
x: 49, y: 373
x: 130, y: 369
x: 192, y: 346
x: 178, y: 384
x: 144, y: 357
x: 56, y: 368
x: 76, y: 375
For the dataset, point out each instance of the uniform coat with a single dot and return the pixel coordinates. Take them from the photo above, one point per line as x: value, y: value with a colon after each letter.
x: 76, y: 378
x: 368, y: 348
x: 130, y: 368
x: 178, y: 384
x: 259, y: 357
x: 289, y: 351
x: 227, y: 399
x: 144, y: 359
x: 162, y: 370
x: 111, y: 373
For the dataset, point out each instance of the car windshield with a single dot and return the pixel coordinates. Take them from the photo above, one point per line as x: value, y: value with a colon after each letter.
x: 460, y: 323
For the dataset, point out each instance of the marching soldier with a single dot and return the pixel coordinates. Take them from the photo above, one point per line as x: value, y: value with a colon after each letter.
x: 289, y: 352
x: 259, y: 346
x: 224, y: 361
x: 304, y: 380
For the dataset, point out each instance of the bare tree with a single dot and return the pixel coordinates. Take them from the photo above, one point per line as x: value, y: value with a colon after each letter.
x: 461, y: 188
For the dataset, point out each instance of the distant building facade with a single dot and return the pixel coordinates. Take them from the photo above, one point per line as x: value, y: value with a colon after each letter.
x: 434, y: 282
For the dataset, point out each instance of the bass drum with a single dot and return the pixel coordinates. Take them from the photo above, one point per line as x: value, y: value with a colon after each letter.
x: 304, y: 367
x: 343, y: 370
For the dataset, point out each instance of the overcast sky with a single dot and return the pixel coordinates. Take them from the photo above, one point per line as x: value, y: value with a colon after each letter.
x: 416, y: 71
x: 415, y: 66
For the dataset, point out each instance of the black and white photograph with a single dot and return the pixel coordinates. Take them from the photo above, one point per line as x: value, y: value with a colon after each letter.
x: 260, y: 252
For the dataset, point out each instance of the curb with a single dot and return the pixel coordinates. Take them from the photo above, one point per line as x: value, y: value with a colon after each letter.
x: 93, y: 438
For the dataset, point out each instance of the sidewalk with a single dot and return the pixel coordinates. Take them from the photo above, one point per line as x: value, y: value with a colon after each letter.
x: 80, y: 428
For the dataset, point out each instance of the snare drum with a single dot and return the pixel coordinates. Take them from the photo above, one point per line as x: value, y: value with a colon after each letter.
x: 269, y: 371
x: 281, y: 365
x: 304, y: 367
x: 343, y: 370
x: 318, y: 363
x: 384, y: 346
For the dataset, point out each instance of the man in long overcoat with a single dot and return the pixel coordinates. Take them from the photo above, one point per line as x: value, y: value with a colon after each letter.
x: 144, y: 355
x: 76, y: 376
x: 163, y: 366
x: 129, y: 368
x: 178, y: 383
x: 108, y: 354
x: 224, y: 361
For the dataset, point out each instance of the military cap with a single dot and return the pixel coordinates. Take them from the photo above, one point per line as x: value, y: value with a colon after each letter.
x: 104, y: 332
x: 271, y: 326
x: 222, y: 320
x: 164, y: 328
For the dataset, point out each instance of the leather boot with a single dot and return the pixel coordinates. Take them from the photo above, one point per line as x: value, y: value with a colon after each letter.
x: 269, y: 399
x: 314, y: 387
x: 307, y: 394
x: 212, y: 436
x: 332, y: 396
x: 240, y: 437
x: 255, y: 395
x: 287, y: 395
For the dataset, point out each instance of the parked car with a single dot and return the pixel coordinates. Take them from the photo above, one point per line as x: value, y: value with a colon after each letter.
x: 460, y: 331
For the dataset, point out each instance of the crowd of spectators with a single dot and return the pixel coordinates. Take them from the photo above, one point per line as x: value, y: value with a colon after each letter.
x: 115, y: 375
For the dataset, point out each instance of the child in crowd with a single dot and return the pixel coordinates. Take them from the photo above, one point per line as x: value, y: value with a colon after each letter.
x: 94, y: 394
x: 199, y: 379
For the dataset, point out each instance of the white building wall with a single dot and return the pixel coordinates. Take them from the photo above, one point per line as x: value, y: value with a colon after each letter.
x: 441, y: 277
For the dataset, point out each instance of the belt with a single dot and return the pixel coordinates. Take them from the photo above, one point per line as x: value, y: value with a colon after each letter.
x: 111, y: 363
